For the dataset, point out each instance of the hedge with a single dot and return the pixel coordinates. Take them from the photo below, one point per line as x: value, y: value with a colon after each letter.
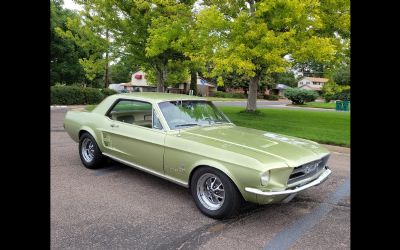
x: 343, y: 96
x: 73, y: 95
x: 271, y: 97
x: 300, y: 96
x: 108, y: 92
x: 228, y: 95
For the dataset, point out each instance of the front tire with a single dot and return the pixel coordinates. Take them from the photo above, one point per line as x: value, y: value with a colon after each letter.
x: 214, y: 193
x: 89, y: 152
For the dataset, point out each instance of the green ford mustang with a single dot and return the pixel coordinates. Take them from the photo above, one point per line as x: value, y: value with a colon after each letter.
x: 188, y: 141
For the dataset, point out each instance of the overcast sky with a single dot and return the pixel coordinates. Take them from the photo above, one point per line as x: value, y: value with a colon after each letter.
x: 71, y: 5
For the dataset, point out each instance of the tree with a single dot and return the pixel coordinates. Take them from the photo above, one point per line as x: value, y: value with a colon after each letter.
x: 169, y: 39
x: 64, y: 53
x: 178, y: 73
x: 143, y: 31
x: 253, y: 37
x: 90, y: 31
x: 122, y: 70
x: 335, y: 17
x: 342, y: 75
x: 288, y: 78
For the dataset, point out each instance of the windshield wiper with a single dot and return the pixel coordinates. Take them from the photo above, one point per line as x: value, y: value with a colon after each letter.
x: 186, y: 124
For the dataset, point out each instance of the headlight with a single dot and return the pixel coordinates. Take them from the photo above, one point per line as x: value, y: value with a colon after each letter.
x: 265, y: 178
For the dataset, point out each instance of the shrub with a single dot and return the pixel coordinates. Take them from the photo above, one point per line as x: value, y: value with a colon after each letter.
x: 333, y: 91
x: 343, y: 96
x: 300, y: 96
x: 92, y: 95
x: 66, y: 95
x: 219, y: 94
x: 72, y: 95
x: 108, y: 92
x: 271, y: 97
x: 228, y: 95
x: 237, y: 95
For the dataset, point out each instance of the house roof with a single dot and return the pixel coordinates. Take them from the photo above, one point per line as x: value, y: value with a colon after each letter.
x: 281, y: 86
x: 201, y: 81
x: 316, y: 79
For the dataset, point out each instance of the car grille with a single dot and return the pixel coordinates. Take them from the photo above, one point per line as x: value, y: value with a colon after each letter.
x: 307, y: 170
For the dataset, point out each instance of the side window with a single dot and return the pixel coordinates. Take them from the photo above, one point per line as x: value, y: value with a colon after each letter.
x: 132, y: 112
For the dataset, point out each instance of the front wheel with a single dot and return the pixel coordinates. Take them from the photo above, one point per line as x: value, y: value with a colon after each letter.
x: 89, y: 152
x: 214, y: 193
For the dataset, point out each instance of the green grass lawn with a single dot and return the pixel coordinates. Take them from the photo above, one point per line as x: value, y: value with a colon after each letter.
x: 322, y: 105
x: 323, y: 127
x: 320, y: 126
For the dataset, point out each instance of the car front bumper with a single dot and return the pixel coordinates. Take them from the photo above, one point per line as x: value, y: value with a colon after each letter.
x: 287, y: 194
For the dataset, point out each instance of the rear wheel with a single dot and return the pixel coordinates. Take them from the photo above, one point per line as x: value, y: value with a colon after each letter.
x: 89, y: 152
x: 214, y: 193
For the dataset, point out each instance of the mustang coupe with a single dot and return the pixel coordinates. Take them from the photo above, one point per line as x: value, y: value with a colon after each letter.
x: 188, y: 141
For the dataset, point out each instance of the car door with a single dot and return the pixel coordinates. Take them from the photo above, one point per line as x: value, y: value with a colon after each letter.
x: 135, y: 134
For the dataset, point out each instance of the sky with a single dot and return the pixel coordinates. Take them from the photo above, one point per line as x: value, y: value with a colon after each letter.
x: 71, y: 5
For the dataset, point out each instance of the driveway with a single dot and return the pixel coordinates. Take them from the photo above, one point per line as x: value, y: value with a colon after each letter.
x: 119, y: 207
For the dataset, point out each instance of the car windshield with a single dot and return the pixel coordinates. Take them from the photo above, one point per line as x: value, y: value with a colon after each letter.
x: 181, y: 114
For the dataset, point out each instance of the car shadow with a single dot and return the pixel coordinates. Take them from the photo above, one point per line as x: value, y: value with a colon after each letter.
x: 112, y: 166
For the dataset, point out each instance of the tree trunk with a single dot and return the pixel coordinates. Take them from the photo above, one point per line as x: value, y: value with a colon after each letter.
x: 193, y: 81
x: 252, y: 93
x: 160, y: 75
x: 160, y: 81
x: 106, y: 78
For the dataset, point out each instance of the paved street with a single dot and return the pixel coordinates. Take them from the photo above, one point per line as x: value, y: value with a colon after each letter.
x: 119, y: 207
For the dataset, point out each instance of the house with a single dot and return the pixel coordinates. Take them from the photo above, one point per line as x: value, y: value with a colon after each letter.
x: 139, y: 79
x: 203, y: 87
x: 312, y: 83
x: 138, y: 83
x: 278, y: 90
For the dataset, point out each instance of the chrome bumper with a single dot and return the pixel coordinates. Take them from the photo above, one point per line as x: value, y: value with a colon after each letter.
x: 315, y: 182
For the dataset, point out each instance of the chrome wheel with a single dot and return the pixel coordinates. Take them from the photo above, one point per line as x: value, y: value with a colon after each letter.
x: 87, y: 150
x: 210, y: 191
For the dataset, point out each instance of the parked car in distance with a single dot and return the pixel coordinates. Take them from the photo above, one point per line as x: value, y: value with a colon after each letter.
x: 188, y: 141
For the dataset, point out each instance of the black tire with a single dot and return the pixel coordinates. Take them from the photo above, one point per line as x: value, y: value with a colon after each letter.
x: 96, y: 160
x: 232, y: 198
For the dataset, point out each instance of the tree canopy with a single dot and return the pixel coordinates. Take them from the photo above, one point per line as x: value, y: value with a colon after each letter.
x: 246, y: 43
x: 64, y: 54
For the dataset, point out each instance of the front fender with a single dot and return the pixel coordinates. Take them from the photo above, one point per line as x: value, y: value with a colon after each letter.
x: 232, y: 172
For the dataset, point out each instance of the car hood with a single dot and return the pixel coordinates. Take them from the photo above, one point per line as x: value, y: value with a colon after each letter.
x: 261, y: 145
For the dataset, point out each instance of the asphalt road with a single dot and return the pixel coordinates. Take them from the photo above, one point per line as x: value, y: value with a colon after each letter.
x: 119, y: 207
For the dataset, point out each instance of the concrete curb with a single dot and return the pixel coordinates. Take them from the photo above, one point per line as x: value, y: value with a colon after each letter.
x: 58, y: 107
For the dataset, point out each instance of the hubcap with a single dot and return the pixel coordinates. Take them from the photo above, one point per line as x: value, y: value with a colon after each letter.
x: 87, y: 150
x: 210, y: 191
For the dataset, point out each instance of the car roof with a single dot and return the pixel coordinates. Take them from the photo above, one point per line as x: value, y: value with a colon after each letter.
x: 156, y: 96
x: 151, y: 97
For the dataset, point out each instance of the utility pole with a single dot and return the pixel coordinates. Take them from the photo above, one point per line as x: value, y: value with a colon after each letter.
x: 106, y: 78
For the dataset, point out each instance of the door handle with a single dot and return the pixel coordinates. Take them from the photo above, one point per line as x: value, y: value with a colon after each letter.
x: 114, y: 125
